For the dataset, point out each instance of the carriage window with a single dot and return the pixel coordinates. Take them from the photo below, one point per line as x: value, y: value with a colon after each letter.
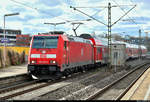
x: 130, y: 51
x: 98, y: 50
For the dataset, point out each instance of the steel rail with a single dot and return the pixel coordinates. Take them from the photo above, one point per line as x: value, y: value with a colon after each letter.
x: 25, y: 91
x: 37, y: 87
x: 128, y: 88
x: 113, y: 83
x: 3, y: 90
x: 10, y: 79
x: 34, y: 88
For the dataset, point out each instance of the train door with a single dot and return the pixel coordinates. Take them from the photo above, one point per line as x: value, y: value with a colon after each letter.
x: 130, y: 52
x: 97, y: 54
x: 92, y: 54
x: 103, y: 55
x: 67, y: 52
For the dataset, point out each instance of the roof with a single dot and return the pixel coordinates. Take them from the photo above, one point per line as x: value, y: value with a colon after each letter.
x: 69, y: 38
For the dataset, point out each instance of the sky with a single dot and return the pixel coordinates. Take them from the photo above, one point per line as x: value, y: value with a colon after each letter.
x: 34, y: 13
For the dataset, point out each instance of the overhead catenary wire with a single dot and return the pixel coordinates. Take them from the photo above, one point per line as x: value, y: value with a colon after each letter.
x: 142, y: 18
x: 124, y: 15
x: 124, y: 12
x: 98, y: 12
x: 39, y: 10
x: 127, y: 15
x: 88, y: 15
x: 75, y: 8
x: 103, y: 6
x: 23, y: 4
x: 36, y: 9
x: 109, y: 25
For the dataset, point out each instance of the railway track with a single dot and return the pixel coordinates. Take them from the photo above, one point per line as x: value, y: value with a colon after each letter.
x: 78, y: 90
x: 114, y: 91
x: 27, y: 84
x: 32, y: 83
x: 35, y: 85
x: 13, y: 80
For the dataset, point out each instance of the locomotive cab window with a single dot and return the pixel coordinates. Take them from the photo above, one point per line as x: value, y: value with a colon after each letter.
x: 45, y: 42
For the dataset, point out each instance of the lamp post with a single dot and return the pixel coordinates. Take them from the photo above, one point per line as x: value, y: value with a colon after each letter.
x: 12, y: 14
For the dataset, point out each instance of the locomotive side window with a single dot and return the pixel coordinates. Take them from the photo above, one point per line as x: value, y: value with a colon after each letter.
x: 45, y: 42
x: 65, y: 45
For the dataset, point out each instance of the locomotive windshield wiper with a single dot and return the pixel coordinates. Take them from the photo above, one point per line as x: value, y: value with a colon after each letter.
x: 44, y: 43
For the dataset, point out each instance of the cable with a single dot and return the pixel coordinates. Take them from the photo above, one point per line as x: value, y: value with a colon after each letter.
x: 142, y: 18
x: 124, y: 12
x: 23, y: 4
x: 89, y: 16
x: 129, y: 16
x: 35, y: 9
x: 98, y: 12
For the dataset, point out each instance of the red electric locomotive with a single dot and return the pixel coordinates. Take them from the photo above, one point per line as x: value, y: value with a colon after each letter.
x: 57, y: 54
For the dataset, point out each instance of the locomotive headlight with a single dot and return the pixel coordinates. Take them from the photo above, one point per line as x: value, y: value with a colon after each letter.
x: 33, y: 62
x: 53, y: 62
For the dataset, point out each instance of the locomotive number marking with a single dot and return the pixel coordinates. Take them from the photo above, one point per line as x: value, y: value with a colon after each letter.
x: 43, y: 62
x: 43, y: 56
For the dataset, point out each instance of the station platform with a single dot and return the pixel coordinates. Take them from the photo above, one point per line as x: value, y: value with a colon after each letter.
x: 141, y: 89
x: 13, y: 70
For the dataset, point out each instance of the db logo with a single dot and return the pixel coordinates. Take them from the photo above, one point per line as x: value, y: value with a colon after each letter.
x: 43, y: 51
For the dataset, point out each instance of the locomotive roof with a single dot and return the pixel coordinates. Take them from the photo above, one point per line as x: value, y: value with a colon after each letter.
x: 69, y: 38
x: 78, y: 39
x: 99, y: 41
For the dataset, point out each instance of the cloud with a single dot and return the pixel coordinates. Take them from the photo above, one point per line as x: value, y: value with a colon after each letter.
x: 50, y: 3
x: 34, y: 13
x: 16, y: 9
x: 50, y: 13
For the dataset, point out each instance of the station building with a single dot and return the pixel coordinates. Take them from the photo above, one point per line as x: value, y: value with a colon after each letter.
x: 23, y: 40
x: 14, y: 37
x: 10, y: 34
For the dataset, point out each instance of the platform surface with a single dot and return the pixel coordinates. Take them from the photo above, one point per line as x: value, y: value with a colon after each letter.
x: 141, y: 89
x: 13, y: 70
